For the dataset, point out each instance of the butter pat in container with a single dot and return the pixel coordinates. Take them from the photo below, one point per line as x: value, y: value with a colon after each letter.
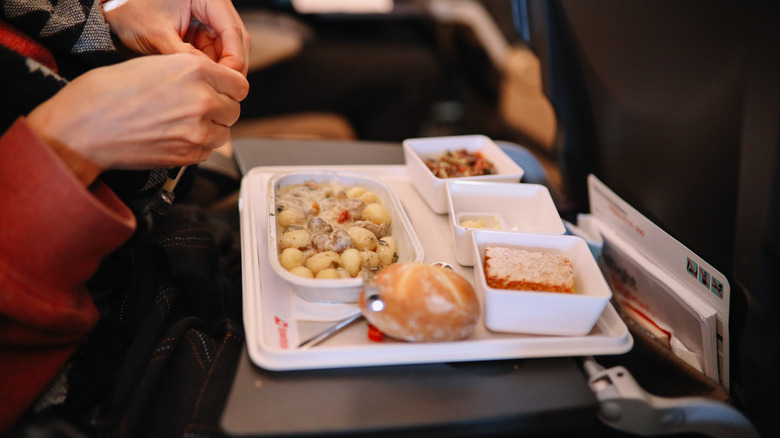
x: 477, y: 220
x: 526, y: 208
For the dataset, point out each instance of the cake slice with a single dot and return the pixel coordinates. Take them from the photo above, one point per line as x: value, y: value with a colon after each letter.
x: 518, y: 269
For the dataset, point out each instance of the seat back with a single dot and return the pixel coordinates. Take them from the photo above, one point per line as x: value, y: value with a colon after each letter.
x: 674, y: 105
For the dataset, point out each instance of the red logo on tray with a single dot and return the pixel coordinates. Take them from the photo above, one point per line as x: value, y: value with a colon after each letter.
x: 281, y: 327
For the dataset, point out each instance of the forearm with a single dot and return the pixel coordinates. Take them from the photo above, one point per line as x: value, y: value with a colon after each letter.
x: 83, y: 169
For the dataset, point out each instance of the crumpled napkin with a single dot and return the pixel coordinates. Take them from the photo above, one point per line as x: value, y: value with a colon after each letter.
x: 309, y: 311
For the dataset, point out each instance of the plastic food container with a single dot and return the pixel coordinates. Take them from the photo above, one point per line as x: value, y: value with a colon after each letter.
x: 431, y: 187
x: 347, y: 290
x: 527, y: 208
x: 544, y: 313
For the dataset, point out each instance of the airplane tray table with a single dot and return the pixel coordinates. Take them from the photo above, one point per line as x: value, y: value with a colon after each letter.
x: 463, y: 398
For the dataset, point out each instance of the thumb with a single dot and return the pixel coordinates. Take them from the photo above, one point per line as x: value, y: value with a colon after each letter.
x: 170, y: 43
x: 172, y: 46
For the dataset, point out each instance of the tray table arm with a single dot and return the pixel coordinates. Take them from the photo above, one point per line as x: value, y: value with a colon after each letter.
x: 625, y: 406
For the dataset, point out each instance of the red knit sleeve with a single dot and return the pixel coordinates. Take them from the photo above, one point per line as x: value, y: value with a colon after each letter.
x: 54, y: 233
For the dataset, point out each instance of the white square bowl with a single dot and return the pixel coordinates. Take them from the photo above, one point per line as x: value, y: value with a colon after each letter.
x: 542, y: 313
x: 408, y: 246
x: 526, y: 208
x: 431, y: 187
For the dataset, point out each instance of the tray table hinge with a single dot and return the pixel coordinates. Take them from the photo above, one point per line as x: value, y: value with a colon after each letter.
x: 625, y: 406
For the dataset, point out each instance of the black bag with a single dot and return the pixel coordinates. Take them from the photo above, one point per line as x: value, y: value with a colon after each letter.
x: 162, y: 358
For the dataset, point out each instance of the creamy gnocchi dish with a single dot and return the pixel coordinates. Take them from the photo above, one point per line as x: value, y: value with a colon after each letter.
x: 332, y: 230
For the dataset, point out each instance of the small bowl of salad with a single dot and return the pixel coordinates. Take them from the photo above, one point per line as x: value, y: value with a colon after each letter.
x: 432, y: 162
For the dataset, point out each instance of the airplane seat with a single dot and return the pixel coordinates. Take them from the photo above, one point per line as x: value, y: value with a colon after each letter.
x: 275, y: 38
x: 674, y: 106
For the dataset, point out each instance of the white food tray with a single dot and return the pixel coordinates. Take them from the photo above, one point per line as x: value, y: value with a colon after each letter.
x: 276, y: 320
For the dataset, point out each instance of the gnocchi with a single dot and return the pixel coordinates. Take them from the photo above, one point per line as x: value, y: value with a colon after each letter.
x: 370, y: 260
x: 386, y: 251
x: 322, y: 260
x: 351, y: 261
x: 356, y: 192
x: 302, y: 271
x: 327, y: 273
x: 289, y: 217
x: 369, y: 198
x: 362, y: 238
x: 331, y: 230
x: 291, y: 257
x: 297, y: 238
x: 377, y: 213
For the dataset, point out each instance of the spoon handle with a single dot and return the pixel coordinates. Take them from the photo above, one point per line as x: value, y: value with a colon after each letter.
x: 314, y: 340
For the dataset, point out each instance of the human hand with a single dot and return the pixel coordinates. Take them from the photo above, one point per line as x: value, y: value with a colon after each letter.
x: 206, y: 27
x: 149, y: 112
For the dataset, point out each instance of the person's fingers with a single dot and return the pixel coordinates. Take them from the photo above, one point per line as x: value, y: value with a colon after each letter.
x: 227, y: 81
x: 205, y: 43
x: 205, y: 154
x: 170, y: 43
x: 226, y: 112
x: 220, y: 134
x: 233, y: 53
x: 223, y: 135
x: 224, y: 20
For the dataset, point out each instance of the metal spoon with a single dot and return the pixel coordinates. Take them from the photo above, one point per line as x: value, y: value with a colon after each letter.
x: 444, y: 265
x: 316, y: 339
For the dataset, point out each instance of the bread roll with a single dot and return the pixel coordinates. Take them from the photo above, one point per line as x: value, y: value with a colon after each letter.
x: 421, y: 303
